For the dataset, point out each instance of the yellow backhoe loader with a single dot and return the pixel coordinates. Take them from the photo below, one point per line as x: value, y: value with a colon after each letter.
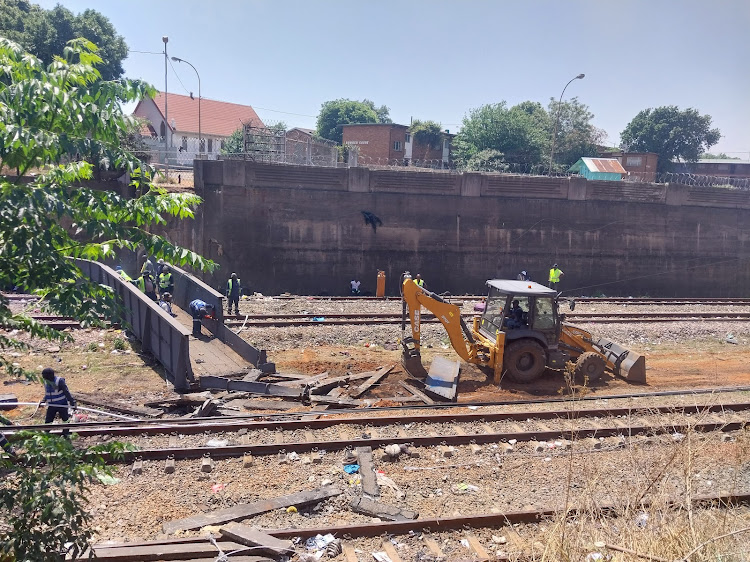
x: 519, y: 335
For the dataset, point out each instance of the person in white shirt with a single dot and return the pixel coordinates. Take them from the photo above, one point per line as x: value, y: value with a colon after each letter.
x: 355, y: 287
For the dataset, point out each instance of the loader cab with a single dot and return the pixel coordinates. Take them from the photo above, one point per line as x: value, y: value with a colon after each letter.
x: 521, y: 309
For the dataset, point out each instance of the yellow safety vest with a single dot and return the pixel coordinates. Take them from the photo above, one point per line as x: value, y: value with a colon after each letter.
x: 141, y: 284
x: 420, y: 282
x: 229, y: 285
x: 165, y: 280
x: 554, y: 275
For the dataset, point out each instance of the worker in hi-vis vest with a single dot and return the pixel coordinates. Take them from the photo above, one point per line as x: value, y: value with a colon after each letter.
x: 419, y: 281
x: 234, y: 288
x: 554, y: 277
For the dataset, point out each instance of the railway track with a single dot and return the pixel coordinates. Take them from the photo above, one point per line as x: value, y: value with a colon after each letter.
x: 157, y: 440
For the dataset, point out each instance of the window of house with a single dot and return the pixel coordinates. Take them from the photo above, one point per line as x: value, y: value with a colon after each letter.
x: 635, y: 161
x: 210, y: 145
x: 184, y: 143
x: 162, y: 130
x: 445, y: 143
x: 408, y: 137
x: 202, y: 147
x: 396, y: 145
x: 222, y: 144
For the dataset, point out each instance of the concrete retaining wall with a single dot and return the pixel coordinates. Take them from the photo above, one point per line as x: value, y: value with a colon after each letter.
x: 301, y: 229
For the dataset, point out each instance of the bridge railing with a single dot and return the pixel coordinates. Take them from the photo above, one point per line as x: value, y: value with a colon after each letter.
x: 160, y: 334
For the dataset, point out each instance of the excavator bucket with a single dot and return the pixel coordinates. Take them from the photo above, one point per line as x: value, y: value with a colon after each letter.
x: 626, y: 363
x: 411, y: 359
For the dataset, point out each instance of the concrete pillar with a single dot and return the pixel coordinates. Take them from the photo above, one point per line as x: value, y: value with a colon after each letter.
x: 358, y: 180
x: 577, y: 188
x: 471, y: 184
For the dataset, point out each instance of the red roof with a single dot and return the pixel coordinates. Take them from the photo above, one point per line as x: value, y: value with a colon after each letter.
x: 217, y: 117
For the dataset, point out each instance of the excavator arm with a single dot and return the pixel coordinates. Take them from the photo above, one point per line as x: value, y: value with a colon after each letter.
x: 461, y: 338
x: 620, y: 360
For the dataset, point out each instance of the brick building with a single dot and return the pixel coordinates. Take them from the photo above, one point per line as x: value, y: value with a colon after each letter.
x: 715, y: 167
x: 640, y: 166
x: 392, y: 144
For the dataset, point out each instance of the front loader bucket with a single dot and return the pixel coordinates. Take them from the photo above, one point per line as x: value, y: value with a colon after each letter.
x: 626, y: 363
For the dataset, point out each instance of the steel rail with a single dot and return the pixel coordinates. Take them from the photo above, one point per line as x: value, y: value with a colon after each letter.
x: 179, y: 423
x: 118, y: 552
x: 228, y: 425
x: 419, y: 441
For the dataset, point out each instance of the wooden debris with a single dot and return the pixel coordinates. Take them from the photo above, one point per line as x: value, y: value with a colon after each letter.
x: 204, y: 410
x: 326, y: 385
x: 434, y: 548
x: 418, y: 393
x: 253, y: 387
x: 477, y: 547
x: 349, y: 553
x: 8, y: 401
x: 188, y: 399
x: 367, y: 472
x: 390, y: 550
x: 179, y: 551
x: 374, y: 379
x: 115, y: 405
x: 268, y: 404
x: 248, y: 536
x: 244, y: 511
x: 372, y: 508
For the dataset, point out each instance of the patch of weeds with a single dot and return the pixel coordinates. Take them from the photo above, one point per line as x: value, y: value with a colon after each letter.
x: 119, y: 344
x: 92, y: 347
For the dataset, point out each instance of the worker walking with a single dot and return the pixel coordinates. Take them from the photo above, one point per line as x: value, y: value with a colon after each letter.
x: 523, y: 276
x: 234, y: 289
x: 58, y: 398
x: 166, y: 281
x: 145, y: 283
x: 165, y: 302
x: 554, y: 277
x: 419, y: 281
x: 121, y: 272
x: 199, y: 311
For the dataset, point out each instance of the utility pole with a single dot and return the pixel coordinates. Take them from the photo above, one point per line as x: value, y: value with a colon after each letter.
x: 557, y: 120
x: 200, y: 136
x: 166, y: 109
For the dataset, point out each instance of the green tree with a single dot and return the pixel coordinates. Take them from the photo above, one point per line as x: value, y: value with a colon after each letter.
x: 719, y: 156
x: 339, y: 112
x: 517, y: 132
x: 383, y: 112
x: 487, y: 160
x: 576, y: 136
x: 671, y: 133
x: 42, y: 501
x: 427, y: 133
x: 45, y: 33
x: 45, y: 115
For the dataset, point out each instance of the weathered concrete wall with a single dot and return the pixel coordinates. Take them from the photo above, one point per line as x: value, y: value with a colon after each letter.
x: 299, y: 229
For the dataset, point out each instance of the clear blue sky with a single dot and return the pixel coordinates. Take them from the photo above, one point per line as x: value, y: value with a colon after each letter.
x: 437, y: 59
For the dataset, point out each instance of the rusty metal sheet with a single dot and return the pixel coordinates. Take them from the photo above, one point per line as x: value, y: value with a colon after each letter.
x: 606, y: 165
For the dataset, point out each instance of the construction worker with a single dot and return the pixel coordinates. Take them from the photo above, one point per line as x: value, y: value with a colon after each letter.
x: 354, y: 287
x: 523, y: 276
x: 58, y: 398
x: 146, y: 284
x: 234, y: 289
x: 199, y: 310
x: 3, y: 441
x: 148, y: 266
x: 419, y: 281
x: 166, y: 281
x: 121, y: 272
x: 554, y: 277
x: 165, y: 302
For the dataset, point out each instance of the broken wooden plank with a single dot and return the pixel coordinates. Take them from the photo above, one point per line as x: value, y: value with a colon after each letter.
x: 374, y: 379
x: 477, y: 547
x: 434, y: 548
x: 338, y: 391
x: 254, y: 387
x: 349, y: 553
x: 419, y: 394
x: 244, y: 511
x: 162, y: 551
x: 367, y: 472
x: 261, y: 404
x: 383, y: 511
x: 248, y: 536
x: 390, y: 550
x: 335, y: 401
x: 204, y: 410
x: 116, y: 405
x: 325, y: 385
x: 188, y: 399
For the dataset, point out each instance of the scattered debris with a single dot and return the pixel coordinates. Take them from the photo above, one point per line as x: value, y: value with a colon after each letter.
x: 250, y: 536
x: 373, y: 508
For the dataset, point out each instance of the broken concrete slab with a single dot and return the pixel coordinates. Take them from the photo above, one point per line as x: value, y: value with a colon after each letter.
x: 442, y: 379
x: 247, y: 510
x: 367, y: 472
x: 249, y: 536
x: 373, y: 508
x: 253, y: 387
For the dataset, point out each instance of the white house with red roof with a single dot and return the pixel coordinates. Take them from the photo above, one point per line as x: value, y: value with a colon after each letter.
x: 178, y: 138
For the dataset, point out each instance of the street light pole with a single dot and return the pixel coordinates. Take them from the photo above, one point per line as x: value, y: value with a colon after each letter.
x: 166, y: 109
x: 200, y: 136
x: 557, y: 119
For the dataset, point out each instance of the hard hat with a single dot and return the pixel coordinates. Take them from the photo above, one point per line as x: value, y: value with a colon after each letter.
x: 118, y: 268
x: 554, y: 265
x: 234, y: 276
x: 523, y: 272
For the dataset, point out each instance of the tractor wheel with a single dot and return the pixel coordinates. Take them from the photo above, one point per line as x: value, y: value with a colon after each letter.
x: 589, y: 367
x: 524, y: 361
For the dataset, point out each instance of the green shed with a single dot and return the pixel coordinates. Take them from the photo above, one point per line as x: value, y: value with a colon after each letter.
x: 608, y: 169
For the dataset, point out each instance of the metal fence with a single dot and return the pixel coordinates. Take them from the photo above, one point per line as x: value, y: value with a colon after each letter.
x: 160, y: 334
